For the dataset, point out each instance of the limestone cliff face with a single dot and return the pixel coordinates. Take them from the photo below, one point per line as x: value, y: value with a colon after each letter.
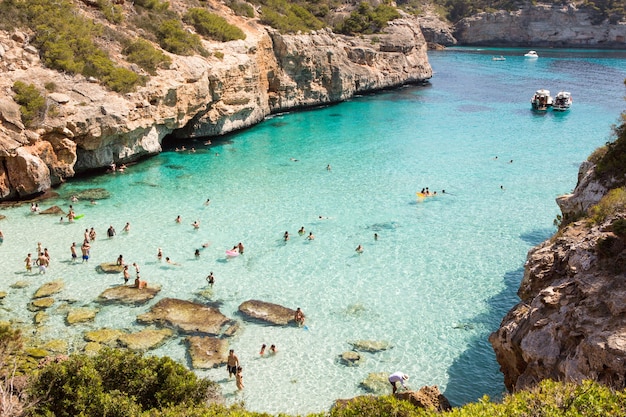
x: 569, y: 324
x: 87, y: 127
x: 540, y: 25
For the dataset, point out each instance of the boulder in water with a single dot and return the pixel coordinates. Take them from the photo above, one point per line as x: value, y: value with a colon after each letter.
x: 350, y: 358
x: 376, y: 383
x: 207, y: 352
x: 145, y: 339
x: 371, y: 346
x: 186, y: 316
x: 53, y: 210
x: 40, y: 304
x: 48, y: 289
x: 80, y: 315
x: 125, y: 294
x: 103, y: 336
x: 93, y: 194
x: 267, y: 312
x: 110, y: 268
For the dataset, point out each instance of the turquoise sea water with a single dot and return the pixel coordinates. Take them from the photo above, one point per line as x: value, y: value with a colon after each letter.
x: 439, y: 279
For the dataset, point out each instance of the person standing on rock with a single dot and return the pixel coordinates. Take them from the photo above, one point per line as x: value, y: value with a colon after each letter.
x: 232, y: 363
x: 398, y: 377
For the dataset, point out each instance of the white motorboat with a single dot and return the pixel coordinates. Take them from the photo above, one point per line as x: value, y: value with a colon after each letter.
x: 541, y: 100
x: 498, y: 58
x: 531, y: 54
x: 562, y: 101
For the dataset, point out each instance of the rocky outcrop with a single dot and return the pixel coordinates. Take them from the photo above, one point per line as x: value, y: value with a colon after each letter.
x: 110, y: 268
x: 569, y: 325
x: 238, y: 85
x: 207, y: 352
x: 49, y: 288
x: 80, y: 315
x: 145, y: 339
x: 267, y: 312
x: 126, y: 294
x: 550, y: 25
x: 187, y: 317
x: 429, y: 398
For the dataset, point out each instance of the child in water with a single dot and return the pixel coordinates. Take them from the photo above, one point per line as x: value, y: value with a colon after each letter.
x: 239, y: 378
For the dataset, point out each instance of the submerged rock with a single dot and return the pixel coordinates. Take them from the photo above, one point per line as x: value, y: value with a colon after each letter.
x: 145, y: 339
x: 40, y: 317
x: 350, y: 358
x: 92, y: 348
x: 371, y: 346
x: 40, y: 304
x: 56, y: 345
x: 110, y: 268
x: 80, y: 315
x: 103, y: 336
x: 93, y: 194
x: 376, y: 383
x: 125, y: 294
x: 267, y: 312
x: 49, y: 288
x: 186, y: 316
x: 207, y: 352
x: 53, y: 210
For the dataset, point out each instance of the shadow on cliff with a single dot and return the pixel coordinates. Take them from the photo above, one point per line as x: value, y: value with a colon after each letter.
x: 476, y: 372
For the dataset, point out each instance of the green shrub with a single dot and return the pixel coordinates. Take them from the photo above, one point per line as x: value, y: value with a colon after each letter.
x: 609, y: 205
x: 619, y: 227
x: 32, y: 103
x: 66, y: 42
x: 241, y: 8
x: 213, y: 26
x: 288, y: 17
x: 112, y: 12
x: 175, y: 39
x: 152, y: 5
x: 611, y: 159
x: 115, y: 383
x: 367, y: 20
x: 50, y: 86
x: 142, y: 53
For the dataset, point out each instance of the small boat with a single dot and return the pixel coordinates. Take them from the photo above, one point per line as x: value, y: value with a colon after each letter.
x: 541, y: 100
x: 562, y: 101
x: 531, y: 54
x: 498, y: 58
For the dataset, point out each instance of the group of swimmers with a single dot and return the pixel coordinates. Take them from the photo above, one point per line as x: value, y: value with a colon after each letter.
x: 42, y: 261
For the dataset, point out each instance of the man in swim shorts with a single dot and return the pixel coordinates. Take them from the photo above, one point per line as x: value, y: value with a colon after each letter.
x: 232, y: 363
x: 85, y: 250
x: 73, y: 250
x: 43, y: 263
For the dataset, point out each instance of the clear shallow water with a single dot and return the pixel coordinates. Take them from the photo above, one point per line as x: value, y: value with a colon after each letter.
x: 439, y: 279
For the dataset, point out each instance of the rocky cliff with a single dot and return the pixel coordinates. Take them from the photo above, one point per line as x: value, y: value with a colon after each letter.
x: 87, y: 127
x: 570, y: 323
x: 534, y: 25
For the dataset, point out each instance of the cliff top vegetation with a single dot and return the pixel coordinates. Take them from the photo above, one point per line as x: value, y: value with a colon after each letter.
x: 601, y: 10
